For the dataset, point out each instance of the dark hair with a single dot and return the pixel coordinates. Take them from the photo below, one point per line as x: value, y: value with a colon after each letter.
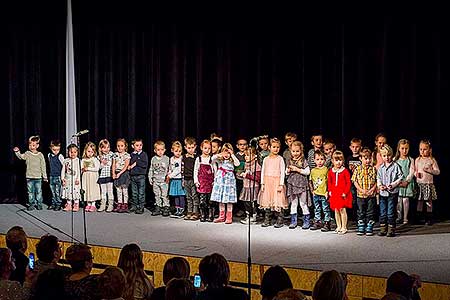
x: 180, y: 289
x: 77, y: 255
x: 329, y: 286
x: 50, y: 285
x: 400, y: 283
x: 214, y: 270
x: 16, y: 239
x: 46, y: 248
x: 176, y: 267
x: 274, y: 280
x: 290, y: 294
x: 5, y: 257
x: 72, y: 146
x: 112, y: 283
x: 55, y: 143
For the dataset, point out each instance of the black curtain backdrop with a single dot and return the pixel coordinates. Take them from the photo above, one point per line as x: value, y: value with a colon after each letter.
x: 136, y: 77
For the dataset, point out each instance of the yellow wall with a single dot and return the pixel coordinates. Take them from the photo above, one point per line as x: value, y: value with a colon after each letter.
x: 359, y: 286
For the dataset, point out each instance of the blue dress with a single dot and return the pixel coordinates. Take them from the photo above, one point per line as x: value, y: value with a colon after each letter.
x: 224, y: 189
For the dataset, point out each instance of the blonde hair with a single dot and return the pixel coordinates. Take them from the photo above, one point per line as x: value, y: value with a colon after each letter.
x: 205, y: 142
x: 299, y: 144
x: 386, y: 148
x: 103, y: 143
x: 356, y: 141
x: 123, y: 141
x: 176, y: 145
x: 34, y: 138
x: 427, y: 142
x: 92, y: 146
x: 401, y: 142
x: 190, y: 141
x: 338, y: 155
x: 159, y: 143
x: 290, y: 135
x: 274, y: 140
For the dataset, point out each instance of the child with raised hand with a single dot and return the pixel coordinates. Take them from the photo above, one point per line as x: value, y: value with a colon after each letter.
x: 204, y: 179
x: 187, y: 173
x: 70, y: 179
x: 339, y: 191
x: 251, y: 177
x: 55, y: 161
x: 121, y: 175
x: 272, y: 196
x: 406, y: 186
x: 175, y: 181
x: 90, y: 166
x: 157, y: 177
x: 364, y: 179
x: 105, y: 177
x: 389, y: 176
x: 426, y: 168
x: 297, y: 187
x: 319, y: 188
x: 224, y: 188
x: 35, y: 172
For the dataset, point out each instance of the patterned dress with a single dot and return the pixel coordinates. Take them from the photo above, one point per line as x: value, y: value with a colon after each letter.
x: 296, y: 183
x: 251, y: 180
x: 224, y: 188
x: 71, y: 190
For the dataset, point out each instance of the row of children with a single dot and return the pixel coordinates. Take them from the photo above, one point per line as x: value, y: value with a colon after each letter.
x: 205, y: 178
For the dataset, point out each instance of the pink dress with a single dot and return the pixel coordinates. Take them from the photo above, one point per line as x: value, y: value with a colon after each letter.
x: 272, y: 176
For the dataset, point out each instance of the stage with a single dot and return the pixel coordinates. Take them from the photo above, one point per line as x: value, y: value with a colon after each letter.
x: 417, y: 249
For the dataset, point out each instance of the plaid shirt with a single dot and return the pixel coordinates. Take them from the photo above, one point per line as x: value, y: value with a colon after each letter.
x: 105, y: 170
x: 366, y: 177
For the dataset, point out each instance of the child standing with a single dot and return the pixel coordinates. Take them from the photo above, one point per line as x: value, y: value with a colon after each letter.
x: 203, y: 179
x: 426, y: 167
x: 90, y: 167
x: 272, y: 195
x: 406, y: 186
x: 35, y: 172
x: 339, y: 191
x: 175, y: 180
x: 389, y: 176
x: 263, y: 146
x: 380, y: 141
x: 70, y: 179
x: 242, y: 146
x: 187, y: 173
x: 55, y: 161
x: 138, y: 169
x: 157, y: 176
x: 224, y: 188
x: 289, y: 138
x: 317, y: 143
x: 328, y: 148
x: 351, y: 163
x: 105, y: 178
x: 121, y: 175
x: 251, y: 177
x: 364, y: 179
x: 297, y: 188
x: 318, y: 185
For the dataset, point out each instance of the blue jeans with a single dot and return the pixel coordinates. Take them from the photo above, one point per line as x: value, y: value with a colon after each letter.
x: 321, y: 204
x: 55, y: 187
x: 34, y: 187
x: 138, y: 191
x: 388, y: 209
x: 366, y: 208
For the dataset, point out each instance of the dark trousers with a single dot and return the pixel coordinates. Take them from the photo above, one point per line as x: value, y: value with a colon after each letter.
x: 138, y: 191
x: 192, y: 201
x: 366, y: 209
x: 388, y: 209
x: 55, y: 187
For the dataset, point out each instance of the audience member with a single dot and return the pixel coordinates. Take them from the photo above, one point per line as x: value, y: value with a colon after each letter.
x: 175, y: 267
x: 80, y: 284
x: 329, y: 286
x: 138, y: 286
x: 12, y: 290
x: 16, y: 240
x: 180, y: 289
x: 50, y: 285
x: 215, y: 274
x: 112, y: 283
x: 274, y: 280
x: 290, y: 294
x: 399, y: 284
x: 49, y: 251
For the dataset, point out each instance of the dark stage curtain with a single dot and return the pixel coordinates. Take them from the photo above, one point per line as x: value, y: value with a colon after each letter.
x: 137, y: 78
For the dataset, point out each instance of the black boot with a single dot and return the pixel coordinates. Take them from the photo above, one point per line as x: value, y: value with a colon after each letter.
x: 267, y: 218
x: 211, y: 214
x: 391, y: 231
x: 203, y: 213
x: 383, y: 230
x: 280, y: 220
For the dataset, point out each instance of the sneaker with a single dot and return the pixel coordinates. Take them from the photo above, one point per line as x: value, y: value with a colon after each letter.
x: 156, y: 212
x: 50, y: 207
x: 139, y: 211
x: 30, y: 208
x: 39, y: 207
x: 165, y: 211
x: 57, y: 208
x: 326, y: 227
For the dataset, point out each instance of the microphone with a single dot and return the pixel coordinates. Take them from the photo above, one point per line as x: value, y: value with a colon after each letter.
x: 81, y: 132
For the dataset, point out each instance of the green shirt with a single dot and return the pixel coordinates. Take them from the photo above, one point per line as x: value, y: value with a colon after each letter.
x: 319, y: 178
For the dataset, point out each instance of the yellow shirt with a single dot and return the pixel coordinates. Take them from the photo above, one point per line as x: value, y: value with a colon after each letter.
x: 319, y: 178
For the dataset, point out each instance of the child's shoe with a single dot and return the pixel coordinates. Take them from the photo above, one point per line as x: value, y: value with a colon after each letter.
x: 280, y: 221
x: 306, y: 222
x: 383, y: 230
x: 221, y: 217
x: 157, y: 211
x: 118, y: 208
x: 391, y: 231
x: 326, y: 226
x: 188, y: 216
x: 317, y: 225
x: 110, y: 208
x: 229, y: 218
x: 68, y: 207
x: 293, y: 224
x: 361, y: 227
x: 165, y: 211
x: 124, y: 208
x: 267, y: 219
x: 369, y: 228
x: 76, y: 207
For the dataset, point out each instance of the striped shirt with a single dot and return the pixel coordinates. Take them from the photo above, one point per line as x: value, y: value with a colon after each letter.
x: 390, y: 174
